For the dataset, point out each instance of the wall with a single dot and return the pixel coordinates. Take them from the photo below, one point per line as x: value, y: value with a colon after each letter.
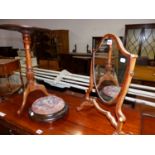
x: 80, y: 30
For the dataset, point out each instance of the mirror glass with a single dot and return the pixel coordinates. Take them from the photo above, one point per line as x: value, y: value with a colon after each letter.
x: 109, y: 67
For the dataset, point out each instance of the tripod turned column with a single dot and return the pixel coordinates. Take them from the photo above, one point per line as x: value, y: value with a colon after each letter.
x: 31, y: 83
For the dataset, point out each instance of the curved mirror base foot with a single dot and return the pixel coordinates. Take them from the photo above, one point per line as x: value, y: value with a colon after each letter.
x: 87, y: 103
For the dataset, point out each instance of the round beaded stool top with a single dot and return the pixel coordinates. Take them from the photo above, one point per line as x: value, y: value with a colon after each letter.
x: 48, y: 108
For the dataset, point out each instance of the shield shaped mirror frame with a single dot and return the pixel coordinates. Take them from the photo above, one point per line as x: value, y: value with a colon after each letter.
x: 89, y: 101
x: 124, y: 85
x: 129, y: 68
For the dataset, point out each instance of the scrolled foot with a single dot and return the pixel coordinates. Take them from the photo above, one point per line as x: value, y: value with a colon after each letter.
x: 86, y: 103
x: 122, y: 133
x: 19, y: 112
x: 79, y: 108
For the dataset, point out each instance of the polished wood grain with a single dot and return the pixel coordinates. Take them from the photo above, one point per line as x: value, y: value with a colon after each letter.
x: 147, y: 118
x: 87, y: 122
x: 148, y: 123
x: 7, y: 68
x: 146, y: 73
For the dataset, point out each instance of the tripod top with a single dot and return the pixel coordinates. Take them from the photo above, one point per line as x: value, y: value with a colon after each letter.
x: 22, y: 28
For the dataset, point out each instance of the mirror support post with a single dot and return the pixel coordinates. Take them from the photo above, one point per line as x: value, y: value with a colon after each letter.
x: 88, y: 101
x: 119, y: 114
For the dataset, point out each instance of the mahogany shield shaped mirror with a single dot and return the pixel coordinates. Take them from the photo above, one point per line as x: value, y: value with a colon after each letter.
x: 111, y: 72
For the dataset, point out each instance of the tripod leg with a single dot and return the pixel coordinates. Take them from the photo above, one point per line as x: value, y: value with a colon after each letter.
x: 42, y: 88
x: 26, y: 92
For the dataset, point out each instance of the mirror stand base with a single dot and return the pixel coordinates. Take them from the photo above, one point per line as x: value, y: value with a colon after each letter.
x: 122, y: 133
x: 90, y: 102
x: 117, y: 125
x: 119, y: 131
x: 87, y: 103
x: 106, y: 113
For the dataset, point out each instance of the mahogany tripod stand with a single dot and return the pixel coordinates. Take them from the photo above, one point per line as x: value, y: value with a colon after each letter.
x: 31, y: 85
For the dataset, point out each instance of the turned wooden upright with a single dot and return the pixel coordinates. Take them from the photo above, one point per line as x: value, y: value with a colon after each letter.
x: 31, y: 82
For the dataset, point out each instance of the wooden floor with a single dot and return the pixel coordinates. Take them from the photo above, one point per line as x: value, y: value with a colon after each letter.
x: 87, y: 122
